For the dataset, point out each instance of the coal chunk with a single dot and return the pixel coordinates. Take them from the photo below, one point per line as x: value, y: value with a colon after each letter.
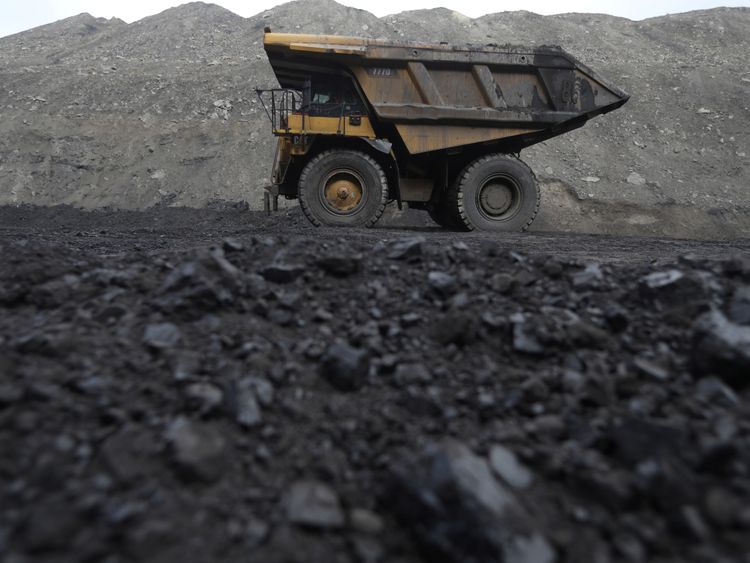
x: 524, y: 339
x: 713, y: 390
x: 590, y: 277
x: 616, y: 317
x: 365, y: 521
x: 232, y: 245
x: 656, y: 281
x: 407, y: 248
x: 242, y: 403
x: 506, y: 465
x: 51, y: 525
x: 410, y: 373
x: 721, y: 348
x: 457, y: 510
x: 651, y: 369
x: 9, y: 394
x: 739, y: 306
x: 199, y: 449
x: 454, y: 328
x: 161, y: 336
x: 205, y: 282
x: 129, y: 454
x: 345, y: 367
x: 340, y: 265
x: 676, y: 288
x: 207, y: 396
x: 638, y: 439
x: 313, y: 504
x: 442, y: 283
x: 282, y: 272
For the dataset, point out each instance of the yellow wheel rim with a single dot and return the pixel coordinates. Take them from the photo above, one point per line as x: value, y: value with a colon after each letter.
x: 343, y: 191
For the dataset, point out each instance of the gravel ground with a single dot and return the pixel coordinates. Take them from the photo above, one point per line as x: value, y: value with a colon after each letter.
x: 218, y: 385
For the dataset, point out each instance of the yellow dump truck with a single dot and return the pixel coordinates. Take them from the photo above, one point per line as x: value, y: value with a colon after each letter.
x: 362, y: 122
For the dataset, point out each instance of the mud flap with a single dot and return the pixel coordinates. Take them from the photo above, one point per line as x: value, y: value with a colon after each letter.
x: 270, y: 199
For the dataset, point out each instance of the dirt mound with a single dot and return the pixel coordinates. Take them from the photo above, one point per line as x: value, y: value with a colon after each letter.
x: 567, y: 209
x: 96, y: 112
x: 183, y: 385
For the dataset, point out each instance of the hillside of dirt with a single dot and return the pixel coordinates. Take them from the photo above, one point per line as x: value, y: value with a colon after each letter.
x: 220, y: 385
x: 97, y: 113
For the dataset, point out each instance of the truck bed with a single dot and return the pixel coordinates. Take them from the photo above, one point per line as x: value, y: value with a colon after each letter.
x: 440, y: 96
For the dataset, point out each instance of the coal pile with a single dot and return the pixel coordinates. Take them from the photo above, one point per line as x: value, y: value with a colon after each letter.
x: 246, y: 391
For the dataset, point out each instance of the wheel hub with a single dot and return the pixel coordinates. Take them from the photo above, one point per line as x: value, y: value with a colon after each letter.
x: 343, y: 192
x: 496, y: 197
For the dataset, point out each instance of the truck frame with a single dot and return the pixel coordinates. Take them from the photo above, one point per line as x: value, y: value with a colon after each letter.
x: 362, y: 122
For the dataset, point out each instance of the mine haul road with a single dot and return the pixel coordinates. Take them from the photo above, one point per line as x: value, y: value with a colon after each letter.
x: 161, y: 229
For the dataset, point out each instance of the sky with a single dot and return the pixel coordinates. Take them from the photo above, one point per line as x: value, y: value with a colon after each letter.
x: 19, y: 15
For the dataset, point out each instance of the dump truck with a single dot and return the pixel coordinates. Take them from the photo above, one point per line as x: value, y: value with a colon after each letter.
x: 363, y: 122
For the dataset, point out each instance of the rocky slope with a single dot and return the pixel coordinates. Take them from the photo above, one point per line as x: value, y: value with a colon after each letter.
x: 101, y: 113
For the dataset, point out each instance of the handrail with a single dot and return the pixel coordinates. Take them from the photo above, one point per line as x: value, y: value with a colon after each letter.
x: 283, y: 102
x: 280, y: 103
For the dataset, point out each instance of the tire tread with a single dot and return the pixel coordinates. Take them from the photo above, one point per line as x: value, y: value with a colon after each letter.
x: 310, y: 166
x: 456, y: 193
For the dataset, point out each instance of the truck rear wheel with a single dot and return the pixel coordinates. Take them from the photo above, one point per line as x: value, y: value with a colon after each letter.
x: 496, y: 193
x: 343, y: 188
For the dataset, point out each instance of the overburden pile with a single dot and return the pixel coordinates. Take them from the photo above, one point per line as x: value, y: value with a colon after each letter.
x: 258, y: 394
x: 97, y: 113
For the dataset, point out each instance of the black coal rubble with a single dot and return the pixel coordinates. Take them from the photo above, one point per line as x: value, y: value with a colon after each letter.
x: 199, y: 450
x: 242, y: 402
x: 442, y: 283
x: 283, y: 268
x: 682, y: 295
x: 507, y: 466
x: 161, y: 336
x: 589, y: 277
x: 210, y: 280
x: 340, y: 264
x: 456, y: 508
x: 406, y: 249
x: 281, y: 272
x: 554, y: 328
x: 250, y: 403
x: 313, y: 504
x: 345, y: 367
x: 722, y: 348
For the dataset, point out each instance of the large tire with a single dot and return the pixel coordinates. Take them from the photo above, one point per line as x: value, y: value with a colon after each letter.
x: 343, y: 188
x: 496, y: 192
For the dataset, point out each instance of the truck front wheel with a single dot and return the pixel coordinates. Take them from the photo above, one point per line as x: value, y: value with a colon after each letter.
x: 343, y: 188
x: 496, y: 193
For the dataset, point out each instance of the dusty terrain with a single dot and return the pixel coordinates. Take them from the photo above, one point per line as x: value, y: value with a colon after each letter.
x: 218, y: 385
x: 100, y: 113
